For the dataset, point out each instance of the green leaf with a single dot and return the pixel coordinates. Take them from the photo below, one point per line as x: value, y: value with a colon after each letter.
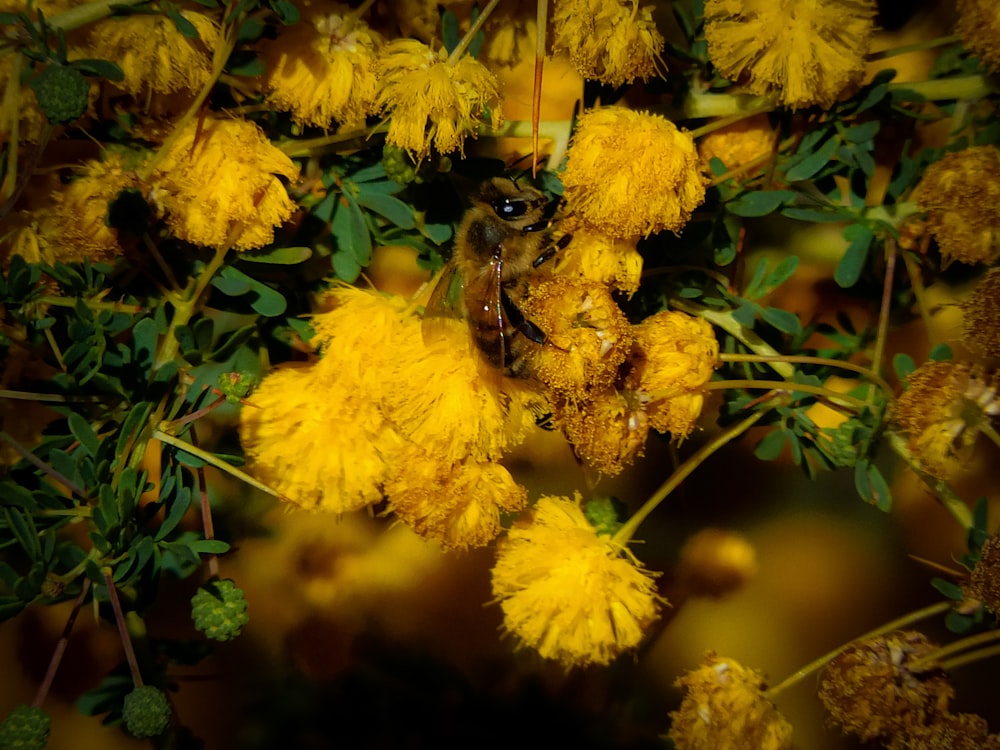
x: 814, y: 215
x: 286, y: 11
x: 958, y: 623
x: 346, y: 266
x: 100, y: 68
x: 279, y: 256
x: 209, y: 546
x: 393, y: 209
x: 263, y: 299
x: 871, y: 485
x: 771, y: 445
x: 145, y: 335
x: 449, y: 30
x: 862, y: 133
x: 351, y: 231
x: 759, y: 203
x: 10, y: 606
x: 82, y: 431
x: 855, y: 256
x: 949, y: 589
x: 134, y: 421
x: 22, y: 526
x: 814, y: 162
x: 249, y: 66
x: 903, y: 365
x: 184, y: 26
x: 784, y: 320
x: 177, y: 506
x: 941, y: 353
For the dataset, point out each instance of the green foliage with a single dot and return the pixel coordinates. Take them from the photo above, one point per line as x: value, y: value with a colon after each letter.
x: 219, y: 610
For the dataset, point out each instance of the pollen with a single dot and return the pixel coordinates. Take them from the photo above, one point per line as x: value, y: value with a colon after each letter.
x: 979, y: 26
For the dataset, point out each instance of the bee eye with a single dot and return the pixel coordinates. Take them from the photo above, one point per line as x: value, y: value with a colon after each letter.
x: 510, y: 208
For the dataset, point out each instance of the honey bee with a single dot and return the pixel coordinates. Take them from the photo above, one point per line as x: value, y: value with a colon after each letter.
x: 501, y: 238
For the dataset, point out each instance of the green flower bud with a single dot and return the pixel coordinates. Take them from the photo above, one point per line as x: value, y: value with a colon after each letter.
x: 219, y: 609
x: 603, y: 515
x: 25, y: 728
x: 62, y: 93
x: 146, y: 711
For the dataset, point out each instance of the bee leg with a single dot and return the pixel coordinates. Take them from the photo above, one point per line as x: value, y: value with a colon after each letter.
x: 518, y: 322
x: 552, y: 250
x: 538, y: 226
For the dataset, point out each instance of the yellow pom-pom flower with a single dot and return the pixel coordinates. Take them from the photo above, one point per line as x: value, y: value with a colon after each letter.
x: 632, y: 173
x: 431, y: 100
x: 79, y: 211
x: 155, y: 57
x: 573, y: 596
x: 743, y: 143
x: 218, y: 184
x: 981, y: 312
x: 941, y: 412
x: 320, y: 69
x: 877, y: 688
x: 597, y: 257
x: 316, y: 439
x: 961, y: 195
x: 587, y: 335
x: 674, y: 356
x: 607, y: 430
x: 458, y: 506
x: 724, y: 706
x: 801, y: 53
x: 979, y: 26
x: 611, y: 41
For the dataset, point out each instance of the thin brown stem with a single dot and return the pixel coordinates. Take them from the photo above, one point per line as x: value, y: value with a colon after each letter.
x: 133, y: 663
x: 61, y: 644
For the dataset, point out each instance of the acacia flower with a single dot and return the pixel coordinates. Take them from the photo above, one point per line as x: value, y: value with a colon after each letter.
x: 570, y: 594
x: 623, y: 196
x: 316, y: 439
x: 947, y: 732
x: 674, y: 356
x: 725, y: 706
x: 597, y: 257
x: 613, y: 42
x: 320, y: 69
x: 961, y: 195
x: 607, y: 430
x: 981, y: 312
x: 432, y: 101
x: 979, y: 26
x: 800, y: 53
x: 218, y: 184
x: 79, y: 211
x: 154, y: 55
x: 871, y: 689
x: 984, y: 583
x: 587, y: 335
x: 741, y: 143
x: 458, y: 506
x: 941, y: 411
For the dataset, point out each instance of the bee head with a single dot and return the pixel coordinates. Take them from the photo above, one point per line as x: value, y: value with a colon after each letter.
x: 510, y: 202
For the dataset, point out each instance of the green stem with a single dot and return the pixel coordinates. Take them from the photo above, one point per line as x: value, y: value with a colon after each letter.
x: 804, y: 359
x: 81, y: 15
x: 724, y: 319
x: 92, y: 304
x: 987, y: 429
x: 885, y: 307
x: 769, y: 385
x: 963, y: 87
x: 35, y: 461
x: 214, y: 461
x: 952, y: 502
x: 972, y: 656
x: 725, y: 122
x: 628, y: 529
x: 901, y: 622
x: 906, y: 49
x: 463, y: 45
x: 939, y: 655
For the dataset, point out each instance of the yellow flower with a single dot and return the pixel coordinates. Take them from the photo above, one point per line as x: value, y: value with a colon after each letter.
x: 611, y: 41
x: 941, y: 411
x: 571, y: 595
x: 155, y: 57
x: 984, y: 583
x: 597, y: 257
x: 724, y: 706
x: 79, y: 211
x: 317, y: 439
x: 802, y: 53
x: 320, y: 68
x: 458, y: 506
x: 608, y: 430
x: 981, y: 312
x: 961, y: 195
x: 674, y: 356
x: 741, y: 143
x: 979, y: 26
x: 871, y: 689
x: 624, y: 196
x: 431, y: 101
x: 218, y: 184
x: 947, y: 732
x: 587, y: 336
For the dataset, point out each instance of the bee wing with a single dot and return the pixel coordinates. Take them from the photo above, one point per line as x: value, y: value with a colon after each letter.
x: 444, y: 304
